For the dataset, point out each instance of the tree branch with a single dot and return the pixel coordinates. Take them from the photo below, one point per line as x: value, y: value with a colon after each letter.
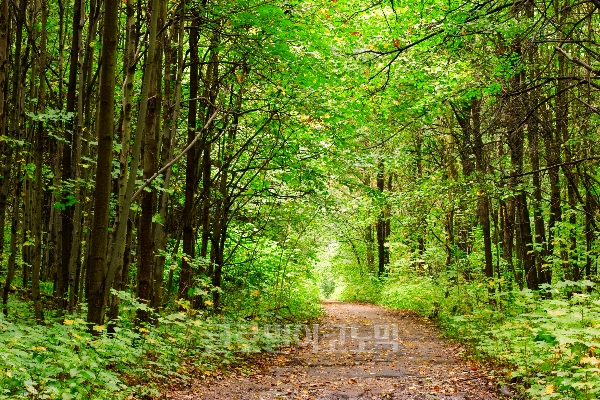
x: 174, y: 160
x: 564, y: 164
x: 577, y: 61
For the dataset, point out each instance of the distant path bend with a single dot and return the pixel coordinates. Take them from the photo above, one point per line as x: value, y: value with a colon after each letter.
x: 358, y: 356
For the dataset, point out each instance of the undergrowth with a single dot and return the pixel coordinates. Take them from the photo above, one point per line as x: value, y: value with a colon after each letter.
x: 62, y: 360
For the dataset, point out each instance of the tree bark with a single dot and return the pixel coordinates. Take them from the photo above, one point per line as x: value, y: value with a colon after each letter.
x: 126, y: 200
x: 74, y: 248
x: 105, y: 128
x: 129, y: 68
x: 146, y: 234
x: 14, y: 227
x: 469, y: 119
x: 5, y: 150
x: 382, y: 228
x: 37, y: 194
x: 173, y: 66
x: 186, y: 277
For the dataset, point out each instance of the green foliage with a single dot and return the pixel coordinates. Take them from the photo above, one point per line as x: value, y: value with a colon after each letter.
x: 546, y: 342
x: 62, y: 360
x: 271, y: 278
x: 418, y: 293
x: 366, y: 290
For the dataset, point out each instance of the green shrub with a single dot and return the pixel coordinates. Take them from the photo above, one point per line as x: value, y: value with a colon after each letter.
x: 366, y: 290
x: 547, y: 339
x: 62, y: 360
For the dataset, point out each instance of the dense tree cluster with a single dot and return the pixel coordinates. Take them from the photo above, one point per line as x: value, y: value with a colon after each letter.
x: 209, y: 156
x: 144, y: 143
x: 482, y: 138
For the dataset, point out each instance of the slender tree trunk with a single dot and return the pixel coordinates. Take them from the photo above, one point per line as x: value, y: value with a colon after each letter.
x: 14, y: 227
x: 219, y: 237
x: 105, y: 127
x: 472, y: 124
x: 524, y: 239
x: 452, y: 176
x: 186, y: 277
x: 543, y: 272
x: 67, y: 214
x: 76, y: 126
x: 5, y: 150
x: 208, y: 106
x: 146, y: 268
x: 37, y: 193
x: 561, y: 110
x: 157, y: 273
x: 369, y: 238
x: 422, y: 225
x: 552, y: 155
x: 589, y: 231
x: 87, y: 83
x: 129, y: 69
x: 146, y: 234
x: 171, y: 112
x: 126, y: 200
x: 382, y: 248
x: 223, y: 205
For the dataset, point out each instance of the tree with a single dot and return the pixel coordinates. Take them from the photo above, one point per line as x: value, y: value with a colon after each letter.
x: 105, y: 127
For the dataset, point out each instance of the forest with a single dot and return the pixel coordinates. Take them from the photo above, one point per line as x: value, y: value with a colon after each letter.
x: 171, y: 166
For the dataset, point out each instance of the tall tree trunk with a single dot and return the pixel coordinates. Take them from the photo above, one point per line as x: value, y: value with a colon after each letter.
x: 69, y: 149
x: 561, y: 109
x: 543, y: 272
x: 76, y: 126
x: 87, y: 83
x: 146, y: 234
x: 422, y: 225
x: 551, y: 148
x: 173, y: 67
x: 219, y: 237
x: 516, y: 141
x: 483, y: 202
x: 37, y: 193
x: 16, y: 101
x: 589, y: 231
x: 469, y: 119
x: 368, y: 233
x: 14, y: 227
x: 223, y: 205
x: 382, y: 249
x: 452, y: 174
x: 208, y: 107
x: 146, y: 268
x: 186, y: 277
x: 129, y: 64
x: 5, y: 150
x: 105, y: 128
x: 124, y: 203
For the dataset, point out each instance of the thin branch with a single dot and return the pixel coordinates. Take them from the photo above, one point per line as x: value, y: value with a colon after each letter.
x: 564, y: 164
x: 174, y: 160
x: 577, y: 61
x: 594, y: 109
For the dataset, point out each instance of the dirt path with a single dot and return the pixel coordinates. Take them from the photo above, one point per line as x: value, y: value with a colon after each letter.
x: 363, y: 352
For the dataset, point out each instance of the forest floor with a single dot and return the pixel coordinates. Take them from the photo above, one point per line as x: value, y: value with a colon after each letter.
x: 363, y: 352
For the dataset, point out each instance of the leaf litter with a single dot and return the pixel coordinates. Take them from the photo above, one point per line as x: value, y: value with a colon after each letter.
x: 353, y: 365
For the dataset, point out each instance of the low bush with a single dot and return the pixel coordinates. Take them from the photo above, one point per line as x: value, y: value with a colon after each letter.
x: 548, y: 341
x: 62, y: 360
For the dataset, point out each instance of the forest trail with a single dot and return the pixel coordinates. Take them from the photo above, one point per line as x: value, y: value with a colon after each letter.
x: 366, y: 361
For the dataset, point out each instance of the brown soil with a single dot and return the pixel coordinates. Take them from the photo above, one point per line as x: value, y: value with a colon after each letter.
x: 371, y: 360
